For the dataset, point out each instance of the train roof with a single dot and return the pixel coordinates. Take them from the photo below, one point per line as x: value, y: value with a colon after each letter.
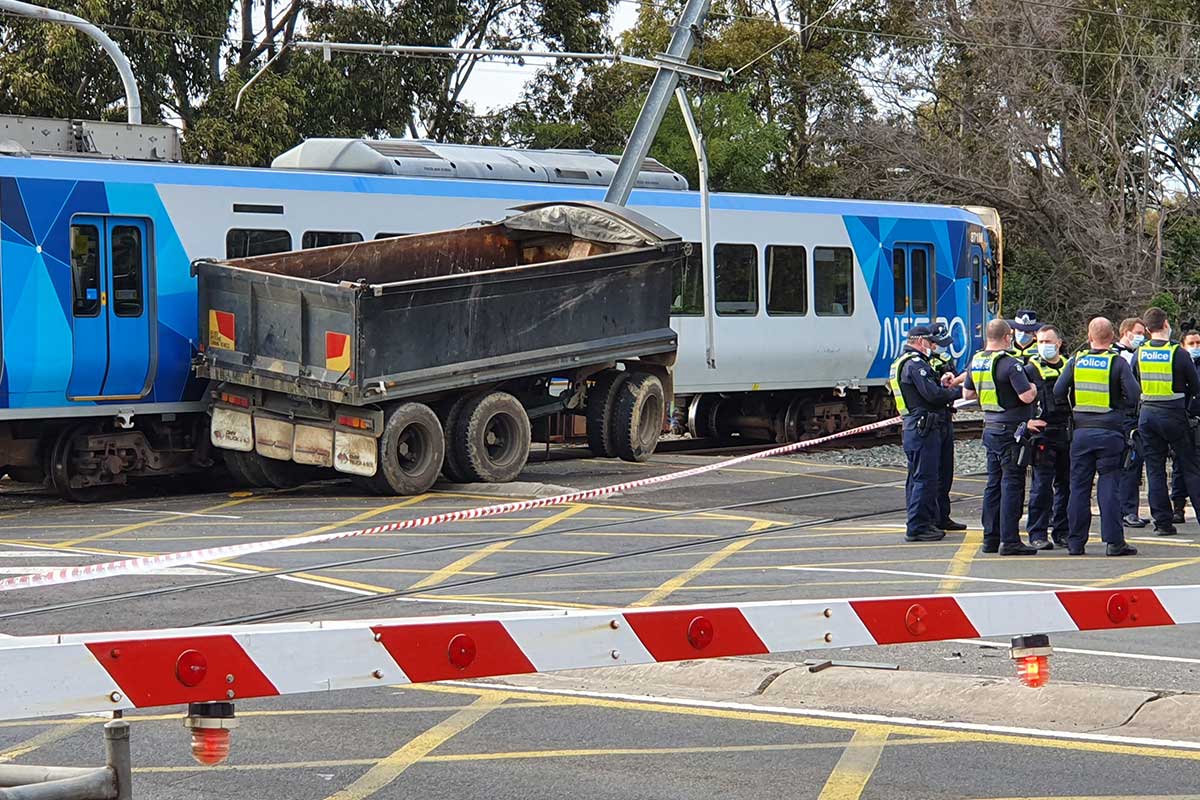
x: 75, y: 169
x: 426, y: 159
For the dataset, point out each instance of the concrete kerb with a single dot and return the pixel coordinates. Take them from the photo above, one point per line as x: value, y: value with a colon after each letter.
x: 933, y: 696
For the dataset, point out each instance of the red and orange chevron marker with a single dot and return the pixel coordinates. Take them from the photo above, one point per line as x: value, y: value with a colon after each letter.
x: 83, y: 673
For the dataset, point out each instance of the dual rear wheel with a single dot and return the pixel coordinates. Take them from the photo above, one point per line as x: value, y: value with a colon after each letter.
x: 625, y: 412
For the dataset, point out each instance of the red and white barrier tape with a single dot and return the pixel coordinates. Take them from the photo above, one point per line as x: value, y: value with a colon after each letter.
x: 84, y: 673
x: 132, y: 566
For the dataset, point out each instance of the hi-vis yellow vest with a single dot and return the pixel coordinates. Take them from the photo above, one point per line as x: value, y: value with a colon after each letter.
x: 1154, y: 367
x: 983, y: 375
x: 1093, y: 376
x: 894, y: 380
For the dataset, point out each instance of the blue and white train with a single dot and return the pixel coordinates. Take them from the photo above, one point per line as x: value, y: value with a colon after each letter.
x: 98, y: 326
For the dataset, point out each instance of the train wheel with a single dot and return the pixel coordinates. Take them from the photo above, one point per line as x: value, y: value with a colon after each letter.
x: 601, y: 404
x: 63, y: 469
x: 491, y: 438
x: 449, y: 412
x: 717, y: 417
x: 411, y: 450
x: 638, y: 417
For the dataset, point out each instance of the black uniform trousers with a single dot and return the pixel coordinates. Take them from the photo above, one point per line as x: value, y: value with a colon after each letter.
x: 1050, y: 487
x: 1163, y: 430
x: 924, y: 452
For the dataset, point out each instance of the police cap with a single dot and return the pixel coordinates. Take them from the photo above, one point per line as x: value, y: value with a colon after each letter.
x: 920, y: 332
x: 940, y: 333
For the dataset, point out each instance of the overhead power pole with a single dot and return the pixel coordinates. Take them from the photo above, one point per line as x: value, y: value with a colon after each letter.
x: 657, y: 99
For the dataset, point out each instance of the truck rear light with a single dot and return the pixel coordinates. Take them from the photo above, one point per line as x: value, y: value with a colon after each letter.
x: 235, y: 400
x: 358, y: 423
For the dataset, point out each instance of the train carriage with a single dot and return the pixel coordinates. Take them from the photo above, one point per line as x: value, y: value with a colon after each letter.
x: 811, y: 301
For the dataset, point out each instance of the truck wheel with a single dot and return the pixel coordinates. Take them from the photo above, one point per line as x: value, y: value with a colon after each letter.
x: 279, y: 474
x: 491, y: 438
x: 601, y: 405
x: 27, y: 474
x: 250, y: 466
x: 411, y: 450
x: 638, y: 417
x: 449, y: 413
x: 233, y: 465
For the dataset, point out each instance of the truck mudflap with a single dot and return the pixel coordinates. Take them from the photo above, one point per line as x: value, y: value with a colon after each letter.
x: 348, y: 442
x: 232, y: 429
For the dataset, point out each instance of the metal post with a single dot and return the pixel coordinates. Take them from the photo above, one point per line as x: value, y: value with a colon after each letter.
x: 706, y: 257
x: 657, y: 100
x: 117, y: 759
x: 113, y: 781
x: 133, y: 99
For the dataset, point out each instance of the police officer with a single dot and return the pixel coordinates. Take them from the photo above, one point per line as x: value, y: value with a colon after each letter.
x: 1050, y: 488
x: 1133, y: 335
x: 1191, y: 343
x: 922, y: 400
x: 943, y: 365
x: 1102, y: 390
x: 1005, y: 394
x: 1169, y: 382
x: 1025, y: 326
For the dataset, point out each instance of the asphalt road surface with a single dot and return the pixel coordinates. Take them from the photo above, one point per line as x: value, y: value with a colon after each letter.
x: 801, y: 530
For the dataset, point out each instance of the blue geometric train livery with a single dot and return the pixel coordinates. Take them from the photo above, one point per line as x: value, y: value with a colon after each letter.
x: 812, y: 297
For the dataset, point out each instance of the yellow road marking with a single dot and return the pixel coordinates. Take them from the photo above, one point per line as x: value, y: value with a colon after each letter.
x: 1146, y: 572
x: 960, y: 562
x: 671, y: 585
x: 513, y: 755
x: 469, y: 560
x: 798, y: 719
x: 855, y: 767
x: 516, y: 601
x: 365, y: 515
x: 42, y: 739
x: 137, y: 526
x: 391, y: 767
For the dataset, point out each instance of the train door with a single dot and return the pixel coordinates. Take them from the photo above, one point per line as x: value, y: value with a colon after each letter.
x: 111, y: 308
x: 912, y: 281
x: 978, y: 300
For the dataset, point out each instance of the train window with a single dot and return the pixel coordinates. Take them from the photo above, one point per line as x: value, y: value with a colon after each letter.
x: 85, y: 270
x: 833, y: 281
x: 687, y: 284
x: 246, y: 242
x: 737, y: 279
x: 389, y: 235
x: 920, y: 280
x: 313, y: 239
x: 787, y: 280
x: 976, y: 277
x: 127, y: 270
x: 899, y: 281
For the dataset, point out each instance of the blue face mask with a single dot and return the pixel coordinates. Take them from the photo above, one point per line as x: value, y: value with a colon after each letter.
x: 1023, y: 337
x: 1047, y: 351
x: 1194, y: 351
x: 1138, y: 340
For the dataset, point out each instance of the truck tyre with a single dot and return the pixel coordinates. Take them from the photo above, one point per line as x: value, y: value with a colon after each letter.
x: 449, y: 412
x: 491, y: 438
x: 411, y: 450
x: 638, y: 417
x: 249, y: 468
x: 279, y: 474
x: 233, y: 465
x: 27, y: 474
x: 601, y: 405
